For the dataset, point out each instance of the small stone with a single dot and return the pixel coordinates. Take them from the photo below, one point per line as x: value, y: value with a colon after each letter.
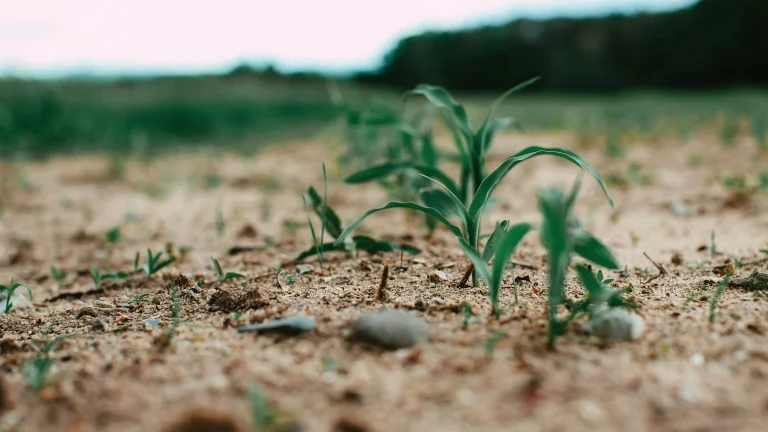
x: 679, y: 208
x: 436, y: 276
x: 290, y: 326
x: 87, y: 311
x: 99, y: 326
x: 697, y: 360
x: 152, y: 322
x: 616, y: 323
x: 391, y: 328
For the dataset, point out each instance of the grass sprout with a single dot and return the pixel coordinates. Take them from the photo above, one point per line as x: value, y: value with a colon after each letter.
x: 36, y: 370
x: 9, y: 290
x: 153, y: 265
x: 58, y: 275
x: 222, y: 276
x: 99, y: 277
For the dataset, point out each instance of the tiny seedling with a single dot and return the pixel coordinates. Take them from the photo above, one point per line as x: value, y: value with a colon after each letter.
x: 58, y: 275
x: 468, y: 316
x: 712, y: 245
x: 715, y: 297
x: 221, y: 276
x: 139, y: 299
x: 99, y: 277
x: 263, y: 414
x: 170, y: 333
x: 113, y: 235
x: 36, y: 370
x: 153, y: 265
x: 8, y: 291
x: 493, y: 340
x: 220, y: 226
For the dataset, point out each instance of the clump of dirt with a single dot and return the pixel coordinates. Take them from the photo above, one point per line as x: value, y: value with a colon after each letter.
x: 237, y: 300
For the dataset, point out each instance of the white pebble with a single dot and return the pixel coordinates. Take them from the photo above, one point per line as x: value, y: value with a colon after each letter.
x: 616, y: 323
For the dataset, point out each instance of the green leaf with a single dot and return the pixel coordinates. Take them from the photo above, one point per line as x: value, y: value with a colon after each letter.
x: 398, y: 204
x: 233, y: 275
x: 428, y: 152
x: 490, y: 245
x: 588, y: 280
x: 217, y: 268
x: 489, y: 184
x: 332, y: 220
x: 390, y: 168
x: 592, y: 249
x: 481, y: 267
x: 447, y: 203
x: 440, y: 98
x: 487, y: 128
x: 507, y: 246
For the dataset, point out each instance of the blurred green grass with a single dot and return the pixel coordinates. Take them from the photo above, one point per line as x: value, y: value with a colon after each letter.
x: 152, y: 116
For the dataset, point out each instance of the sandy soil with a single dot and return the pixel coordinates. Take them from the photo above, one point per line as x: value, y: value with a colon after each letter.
x: 682, y: 374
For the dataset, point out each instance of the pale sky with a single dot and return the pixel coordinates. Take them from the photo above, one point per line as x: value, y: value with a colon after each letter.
x: 53, y: 37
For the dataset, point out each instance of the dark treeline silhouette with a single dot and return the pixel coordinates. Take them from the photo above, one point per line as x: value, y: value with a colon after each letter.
x: 712, y: 44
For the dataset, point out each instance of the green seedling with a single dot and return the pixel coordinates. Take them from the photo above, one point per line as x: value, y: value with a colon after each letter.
x: 263, y: 414
x: 715, y: 298
x: 502, y: 245
x: 219, y: 222
x: 562, y: 237
x: 468, y: 316
x: 58, y: 275
x: 493, y: 340
x: 139, y: 299
x: 467, y: 200
x: 113, y: 235
x: 221, y: 276
x: 99, y: 277
x: 323, y: 214
x: 8, y: 291
x: 36, y: 371
x: 170, y: 333
x: 712, y: 244
x: 153, y: 265
x: 332, y: 224
x: 765, y: 251
x: 599, y: 295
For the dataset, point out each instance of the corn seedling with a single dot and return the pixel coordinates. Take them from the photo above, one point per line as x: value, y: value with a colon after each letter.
x: 221, y: 276
x: 468, y: 316
x: 113, y: 235
x: 99, y: 277
x: 467, y: 200
x: 332, y: 224
x: 8, y: 291
x: 36, y: 371
x: 500, y: 247
x: 263, y: 414
x: 715, y: 297
x: 139, y: 299
x: 599, y: 294
x: 58, y: 275
x: 562, y: 237
x: 153, y: 265
x: 170, y: 333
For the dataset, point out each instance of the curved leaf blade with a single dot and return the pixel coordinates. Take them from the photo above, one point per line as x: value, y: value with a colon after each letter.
x: 506, y: 247
x: 387, y: 169
x: 590, y: 248
x: 482, y: 133
x: 399, y: 204
x: 493, y: 179
x: 439, y: 97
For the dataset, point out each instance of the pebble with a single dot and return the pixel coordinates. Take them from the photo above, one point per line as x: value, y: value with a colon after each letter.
x: 288, y: 326
x: 100, y: 304
x: 391, y: 328
x: 616, y: 323
x: 437, y: 276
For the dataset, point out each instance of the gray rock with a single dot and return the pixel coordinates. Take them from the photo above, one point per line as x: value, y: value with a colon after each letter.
x: 616, y: 323
x: 288, y: 326
x: 391, y: 329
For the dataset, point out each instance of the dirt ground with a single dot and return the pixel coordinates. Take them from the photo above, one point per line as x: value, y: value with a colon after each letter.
x: 681, y: 374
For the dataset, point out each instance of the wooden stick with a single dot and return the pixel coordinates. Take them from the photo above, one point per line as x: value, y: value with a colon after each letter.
x: 381, y: 294
x: 467, y: 274
x: 660, y: 267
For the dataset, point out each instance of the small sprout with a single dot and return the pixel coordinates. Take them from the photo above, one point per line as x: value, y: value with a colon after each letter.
x: 490, y: 345
x: 58, y: 275
x: 36, y: 371
x: 219, y: 222
x: 220, y: 275
x: 469, y: 316
x: 138, y: 299
x: 712, y: 245
x: 153, y: 264
x: 9, y: 289
x: 715, y: 298
x: 166, y: 339
x: 99, y: 277
x: 113, y: 235
x: 263, y: 414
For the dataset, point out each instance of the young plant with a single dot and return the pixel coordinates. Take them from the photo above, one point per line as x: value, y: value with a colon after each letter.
x: 8, y: 291
x: 170, y: 333
x: 153, y: 264
x: 139, y: 299
x: 332, y: 225
x: 599, y: 294
x: 219, y: 222
x: 221, y: 276
x: 36, y: 370
x: 99, y: 277
x: 323, y: 214
x: 562, y: 237
x: 715, y: 298
x: 113, y: 235
x: 264, y: 416
x: 501, y: 246
x: 58, y: 275
x: 466, y: 201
